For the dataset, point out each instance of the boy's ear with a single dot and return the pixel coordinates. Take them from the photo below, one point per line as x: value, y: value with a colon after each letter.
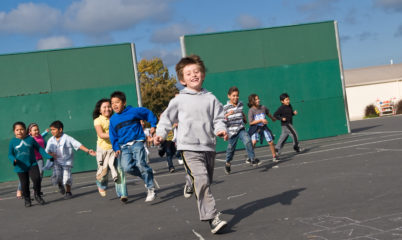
x: 182, y: 82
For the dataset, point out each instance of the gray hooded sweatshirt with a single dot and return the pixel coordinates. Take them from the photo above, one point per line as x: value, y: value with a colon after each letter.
x: 199, y: 116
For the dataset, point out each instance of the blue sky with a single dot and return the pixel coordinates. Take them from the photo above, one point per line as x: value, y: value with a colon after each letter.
x: 370, y: 30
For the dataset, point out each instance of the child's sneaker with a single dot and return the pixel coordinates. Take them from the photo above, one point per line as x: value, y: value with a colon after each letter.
x: 39, y: 199
x: 299, y: 149
x: 151, y: 195
x: 227, y: 168
x: 27, y: 201
x: 19, y: 194
x: 171, y: 169
x: 276, y: 152
x: 275, y: 159
x: 217, y: 224
x: 180, y: 161
x: 256, y: 162
x: 188, y: 191
x: 123, y: 199
x: 68, y: 195
x: 248, y: 161
x: 62, y: 190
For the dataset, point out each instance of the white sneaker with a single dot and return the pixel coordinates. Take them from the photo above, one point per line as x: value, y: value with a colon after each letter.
x: 180, y: 161
x: 151, y: 195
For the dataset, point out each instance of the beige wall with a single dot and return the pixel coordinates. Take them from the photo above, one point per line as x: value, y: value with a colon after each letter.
x: 359, y: 97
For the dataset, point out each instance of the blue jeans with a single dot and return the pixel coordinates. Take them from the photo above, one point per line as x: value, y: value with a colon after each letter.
x: 133, y: 161
x: 232, y: 142
x: 120, y: 184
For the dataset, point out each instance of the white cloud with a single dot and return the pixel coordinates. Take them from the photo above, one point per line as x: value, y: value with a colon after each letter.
x: 102, y: 16
x: 247, y: 21
x: 389, y: 5
x: 317, y: 8
x: 171, y: 33
x: 30, y: 18
x: 169, y: 58
x: 54, y: 42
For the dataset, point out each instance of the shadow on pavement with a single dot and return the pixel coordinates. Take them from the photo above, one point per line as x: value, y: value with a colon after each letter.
x: 250, y: 208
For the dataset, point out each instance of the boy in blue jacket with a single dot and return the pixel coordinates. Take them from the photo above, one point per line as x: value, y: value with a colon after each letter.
x: 127, y: 138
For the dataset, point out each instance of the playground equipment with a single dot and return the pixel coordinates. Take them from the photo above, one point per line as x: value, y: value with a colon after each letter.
x: 386, y: 107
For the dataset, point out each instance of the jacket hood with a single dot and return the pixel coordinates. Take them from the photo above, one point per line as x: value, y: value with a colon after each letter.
x: 192, y: 92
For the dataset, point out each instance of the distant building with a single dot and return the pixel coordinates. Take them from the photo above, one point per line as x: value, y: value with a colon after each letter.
x: 365, y: 86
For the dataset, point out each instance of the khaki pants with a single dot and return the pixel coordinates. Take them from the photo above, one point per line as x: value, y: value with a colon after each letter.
x: 105, y: 160
x: 200, y: 171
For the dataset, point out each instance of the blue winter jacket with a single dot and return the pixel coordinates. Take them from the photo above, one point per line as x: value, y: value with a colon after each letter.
x: 126, y: 127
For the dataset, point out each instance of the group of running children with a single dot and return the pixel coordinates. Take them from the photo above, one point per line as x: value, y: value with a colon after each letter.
x: 197, y: 117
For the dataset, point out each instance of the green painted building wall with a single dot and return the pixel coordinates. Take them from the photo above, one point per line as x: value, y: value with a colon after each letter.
x: 301, y: 60
x: 61, y: 85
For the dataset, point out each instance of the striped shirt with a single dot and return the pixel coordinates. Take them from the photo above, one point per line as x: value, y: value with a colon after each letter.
x: 234, y: 122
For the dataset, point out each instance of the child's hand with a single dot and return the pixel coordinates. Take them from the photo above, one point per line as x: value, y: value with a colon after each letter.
x: 151, y: 131
x: 283, y: 119
x: 52, y: 154
x: 295, y: 112
x: 117, y: 153
x: 223, y: 134
x: 92, y: 153
x: 157, y: 140
x: 264, y: 121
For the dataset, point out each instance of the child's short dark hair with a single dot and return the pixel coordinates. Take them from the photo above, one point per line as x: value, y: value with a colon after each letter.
x: 19, y: 124
x: 251, y: 100
x: 192, y: 59
x: 283, y: 96
x: 96, y: 112
x: 118, y: 94
x: 57, y: 124
x: 233, y: 89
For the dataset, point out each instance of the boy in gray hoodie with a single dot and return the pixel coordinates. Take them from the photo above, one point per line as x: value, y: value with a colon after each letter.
x: 200, y: 118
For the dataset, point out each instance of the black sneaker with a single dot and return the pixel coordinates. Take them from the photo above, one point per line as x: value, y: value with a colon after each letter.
x: 62, y: 190
x: 227, y: 168
x: 256, y: 162
x: 298, y: 149
x: 188, y: 191
x: 27, y: 201
x: 39, y: 199
x: 171, y: 169
x: 217, y: 224
x: 68, y: 195
x: 248, y: 161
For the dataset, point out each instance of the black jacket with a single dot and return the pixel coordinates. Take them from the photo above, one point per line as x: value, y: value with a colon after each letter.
x: 284, y: 111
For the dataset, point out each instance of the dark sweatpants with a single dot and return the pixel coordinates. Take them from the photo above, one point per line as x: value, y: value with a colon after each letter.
x: 34, y: 174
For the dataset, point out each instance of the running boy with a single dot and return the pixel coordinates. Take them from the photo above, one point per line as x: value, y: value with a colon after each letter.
x: 285, y: 114
x: 200, y: 118
x: 235, y: 120
x: 127, y: 138
x: 61, y: 146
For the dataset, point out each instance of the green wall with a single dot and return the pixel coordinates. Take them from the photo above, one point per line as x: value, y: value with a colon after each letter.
x: 61, y: 85
x: 301, y: 60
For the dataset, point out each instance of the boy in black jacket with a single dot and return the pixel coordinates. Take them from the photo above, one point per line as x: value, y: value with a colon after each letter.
x: 285, y: 114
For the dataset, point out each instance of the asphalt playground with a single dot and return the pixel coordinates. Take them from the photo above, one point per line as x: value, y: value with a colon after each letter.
x: 342, y: 187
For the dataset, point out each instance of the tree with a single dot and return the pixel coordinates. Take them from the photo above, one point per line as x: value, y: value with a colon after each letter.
x: 157, y: 87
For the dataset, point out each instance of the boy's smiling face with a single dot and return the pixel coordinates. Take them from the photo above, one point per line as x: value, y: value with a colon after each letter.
x: 286, y: 101
x: 193, y: 77
x: 56, y: 132
x: 118, y: 105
